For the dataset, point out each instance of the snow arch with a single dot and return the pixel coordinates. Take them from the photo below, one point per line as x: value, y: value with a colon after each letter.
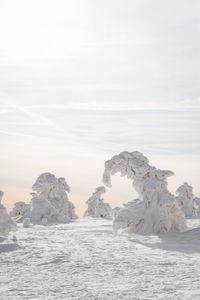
x: 156, y: 209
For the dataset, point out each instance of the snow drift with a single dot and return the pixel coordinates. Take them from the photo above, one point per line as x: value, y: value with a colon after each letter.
x: 96, y: 206
x: 50, y: 203
x: 156, y: 210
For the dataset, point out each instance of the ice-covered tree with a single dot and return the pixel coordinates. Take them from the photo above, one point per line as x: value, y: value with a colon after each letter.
x: 185, y: 199
x: 97, y: 208
x: 156, y: 211
x: 7, y: 225
x: 26, y: 222
x: 20, y: 211
x: 50, y: 203
x: 196, y: 207
x: 115, y: 211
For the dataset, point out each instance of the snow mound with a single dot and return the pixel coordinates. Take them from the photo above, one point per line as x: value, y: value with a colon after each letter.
x: 20, y: 211
x: 7, y: 225
x: 97, y: 208
x: 50, y: 201
x: 156, y: 211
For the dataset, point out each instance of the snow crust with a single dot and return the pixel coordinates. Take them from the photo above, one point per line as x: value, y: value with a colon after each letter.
x: 50, y: 203
x: 7, y: 225
x: 85, y: 260
x: 156, y: 210
x: 97, y: 208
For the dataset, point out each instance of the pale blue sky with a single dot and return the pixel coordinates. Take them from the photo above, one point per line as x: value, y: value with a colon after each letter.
x: 83, y: 80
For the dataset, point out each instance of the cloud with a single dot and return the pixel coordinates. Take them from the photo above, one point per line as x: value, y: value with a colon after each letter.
x: 183, y: 105
x: 101, y: 55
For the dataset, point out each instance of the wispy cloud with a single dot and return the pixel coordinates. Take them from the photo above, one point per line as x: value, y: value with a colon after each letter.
x: 183, y: 105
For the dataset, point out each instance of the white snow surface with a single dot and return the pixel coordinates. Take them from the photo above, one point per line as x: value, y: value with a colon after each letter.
x: 86, y: 260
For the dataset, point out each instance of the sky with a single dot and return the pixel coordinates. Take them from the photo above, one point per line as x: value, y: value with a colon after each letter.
x: 82, y: 80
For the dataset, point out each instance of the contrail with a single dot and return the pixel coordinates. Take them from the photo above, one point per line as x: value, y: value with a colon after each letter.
x: 35, y: 116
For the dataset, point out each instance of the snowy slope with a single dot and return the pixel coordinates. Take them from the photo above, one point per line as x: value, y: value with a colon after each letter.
x: 85, y: 260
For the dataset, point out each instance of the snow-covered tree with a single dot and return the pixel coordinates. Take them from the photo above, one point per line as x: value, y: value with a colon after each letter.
x: 197, y: 207
x: 50, y: 203
x: 185, y: 199
x: 156, y: 211
x: 20, y: 211
x: 96, y: 206
x: 7, y: 225
x: 26, y: 222
x: 115, y: 211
